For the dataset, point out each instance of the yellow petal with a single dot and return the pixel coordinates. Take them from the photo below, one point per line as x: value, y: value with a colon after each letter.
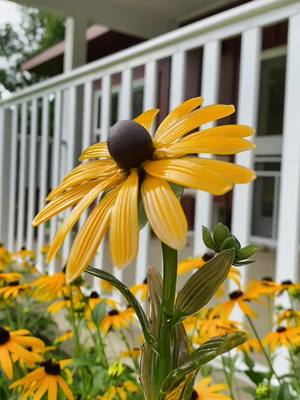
x: 124, y: 225
x: 235, y: 173
x: 89, y: 237
x: 65, y: 388
x: 65, y: 200
x: 89, y: 171
x: 183, y: 109
x: 97, y: 150
x: 189, y: 173
x: 75, y: 214
x: 147, y: 118
x: 164, y: 212
x: 5, y: 362
x: 223, y: 131
x: 205, y: 145
x: 194, y: 120
x: 52, y: 392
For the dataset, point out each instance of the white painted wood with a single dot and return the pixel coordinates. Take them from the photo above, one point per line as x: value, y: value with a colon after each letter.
x: 56, y: 165
x: 22, y: 177
x: 13, y: 179
x: 210, y: 92
x: 287, y: 264
x: 32, y: 174
x: 247, y: 114
x: 124, y: 111
x: 75, y: 43
x: 150, y: 88
x: 70, y: 150
x: 177, y: 84
x: 104, y: 128
x: 87, y: 115
x: 5, y: 143
x: 43, y: 182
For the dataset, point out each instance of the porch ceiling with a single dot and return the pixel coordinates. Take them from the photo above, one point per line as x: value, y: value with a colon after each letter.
x: 143, y: 18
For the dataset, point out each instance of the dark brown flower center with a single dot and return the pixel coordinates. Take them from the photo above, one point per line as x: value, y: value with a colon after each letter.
x: 208, y: 256
x: 51, y: 367
x: 267, y: 279
x: 129, y: 144
x: 287, y: 282
x: 94, y: 295
x: 112, y: 313
x: 14, y: 283
x: 281, y: 329
x: 194, y: 395
x: 235, y: 294
x: 4, y: 335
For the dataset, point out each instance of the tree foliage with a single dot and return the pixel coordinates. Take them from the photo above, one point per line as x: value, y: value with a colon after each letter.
x: 37, y: 31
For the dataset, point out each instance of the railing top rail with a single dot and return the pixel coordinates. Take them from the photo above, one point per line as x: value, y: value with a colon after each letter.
x: 245, y: 15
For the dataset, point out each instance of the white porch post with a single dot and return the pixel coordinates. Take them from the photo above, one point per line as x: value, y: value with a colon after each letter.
x: 210, y: 91
x: 75, y: 43
x: 288, y: 228
x: 247, y: 114
x: 5, y: 129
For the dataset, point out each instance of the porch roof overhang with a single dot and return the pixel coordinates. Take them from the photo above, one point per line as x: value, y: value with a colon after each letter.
x: 143, y: 18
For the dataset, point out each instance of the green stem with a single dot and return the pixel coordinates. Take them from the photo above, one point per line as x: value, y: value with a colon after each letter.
x: 269, y: 362
x: 77, y: 343
x: 128, y: 347
x: 228, y: 378
x: 167, y: 310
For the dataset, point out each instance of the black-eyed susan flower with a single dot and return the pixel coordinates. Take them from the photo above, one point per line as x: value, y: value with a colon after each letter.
x: 13, y: 289
x: 204, y: 390
x: 140, y: 290
x: 5, y: 257
x: 216, y: 326
x: 264, y: 287
x: 49, y: 287
x: 240, y: 299
x: 116, y: 319
x: 13, y: 345
x: 132, y: 165
x: 283, y: 337
x: 250, y: 346
x: 10, y: 276
x: 290, y: 317
x: 120, y: 391
x: 68, y: 335
x: 48, y: 378
x: 106, y: 287
x: 131, y: 353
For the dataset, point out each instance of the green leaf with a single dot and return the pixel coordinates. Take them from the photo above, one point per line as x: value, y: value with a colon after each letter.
x: 248, y: 361
x: 98, y: 313
x: 207, y: 238
x: 132, y: 301
x: 284, y: 392
x: 246, y: 252
x: 205, y: 353
x: 203, y: 284
x: 221, y: 232
x: 256, y: 377
x: 155, y: 287
x: 229, y: 243
x: 142, y: 214
x: 242, y: 263
x: 177, y: 189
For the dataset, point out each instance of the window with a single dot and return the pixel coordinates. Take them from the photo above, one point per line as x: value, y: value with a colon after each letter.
x: 271, y: 100
x: 265, y: 199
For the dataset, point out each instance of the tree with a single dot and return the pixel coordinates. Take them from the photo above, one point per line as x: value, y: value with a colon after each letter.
x: 38, y: 31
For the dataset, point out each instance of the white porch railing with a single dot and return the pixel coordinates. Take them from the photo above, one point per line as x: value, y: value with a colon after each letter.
x: 42, y: 131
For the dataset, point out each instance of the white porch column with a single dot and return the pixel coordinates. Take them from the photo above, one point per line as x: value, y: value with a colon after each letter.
x: 5, y: 136
x: 210, y: 91
x: 75, y: 43
x: 247, y: 114
x: 288, y: 228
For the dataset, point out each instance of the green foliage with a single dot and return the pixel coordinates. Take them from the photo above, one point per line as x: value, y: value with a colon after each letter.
x: 221, y: 239
x: 203, y: 284
x: 38, y: 31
